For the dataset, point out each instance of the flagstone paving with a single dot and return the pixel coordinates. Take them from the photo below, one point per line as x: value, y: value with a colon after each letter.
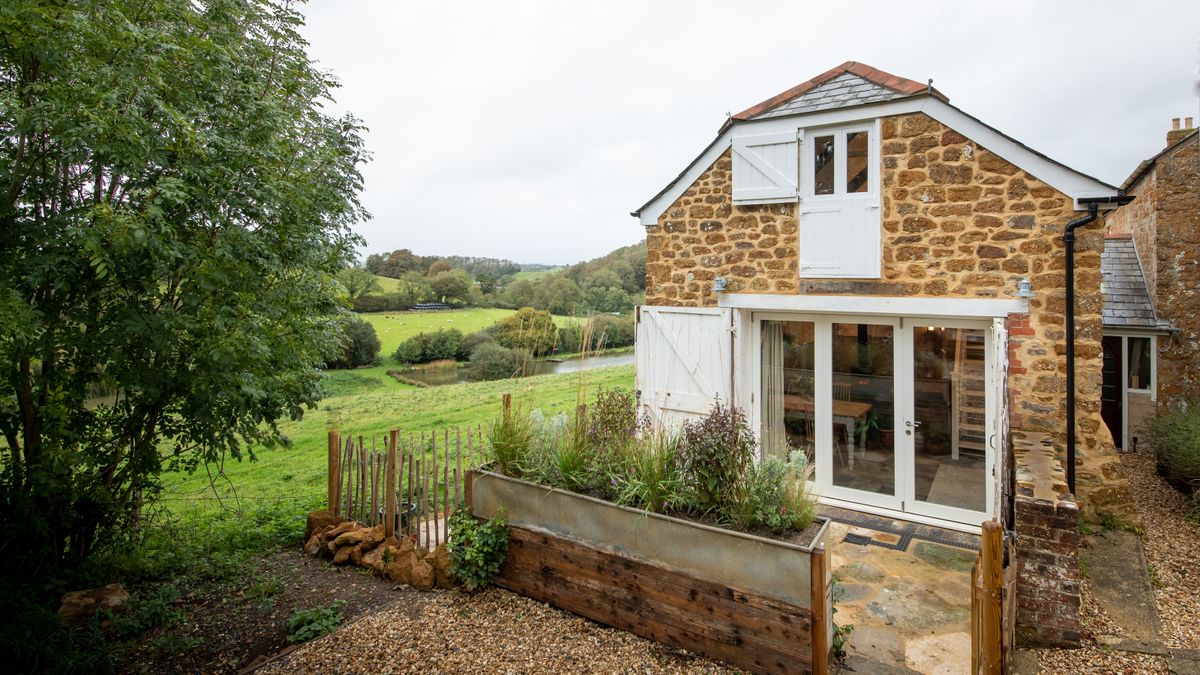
x: 911, y: 610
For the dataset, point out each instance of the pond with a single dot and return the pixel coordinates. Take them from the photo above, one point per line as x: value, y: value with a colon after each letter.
x: 455, y: 375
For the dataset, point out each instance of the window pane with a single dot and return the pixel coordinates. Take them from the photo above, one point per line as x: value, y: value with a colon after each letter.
x: 1139, y: 363
x: 823, y: 165
x: 863, y: 398
x: 857, y: 169
x: 787, y: 388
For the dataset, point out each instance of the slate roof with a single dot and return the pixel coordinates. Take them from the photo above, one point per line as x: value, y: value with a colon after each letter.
x: 851, y: 83
x: 1127, y: 302
x: 844, y: 90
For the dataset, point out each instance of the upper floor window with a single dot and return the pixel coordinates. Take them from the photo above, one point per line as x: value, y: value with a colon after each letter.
x: 839, y: 203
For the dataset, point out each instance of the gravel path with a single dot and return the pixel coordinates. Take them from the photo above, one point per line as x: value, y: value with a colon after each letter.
x: 1172, y: 544
x: 494, y: 631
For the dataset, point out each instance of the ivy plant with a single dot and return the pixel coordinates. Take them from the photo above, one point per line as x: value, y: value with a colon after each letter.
x: 308, y: 624
x: 477, y: 548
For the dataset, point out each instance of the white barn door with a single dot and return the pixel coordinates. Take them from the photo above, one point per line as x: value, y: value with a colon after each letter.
x: 684, y: 359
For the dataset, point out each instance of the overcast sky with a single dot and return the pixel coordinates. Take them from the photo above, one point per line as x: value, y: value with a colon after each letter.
x: 530, y: 130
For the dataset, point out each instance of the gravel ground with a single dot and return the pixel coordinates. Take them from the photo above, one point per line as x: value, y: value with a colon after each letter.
x: 1093, y: 659
x: 1172, y: 544
x: 494, y: 631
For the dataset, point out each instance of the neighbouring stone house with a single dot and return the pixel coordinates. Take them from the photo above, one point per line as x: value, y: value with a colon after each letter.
x: 877, y: 277
x: 1151, y: 284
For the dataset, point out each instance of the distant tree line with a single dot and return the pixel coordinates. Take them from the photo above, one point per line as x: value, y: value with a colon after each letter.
x: 611, y: 283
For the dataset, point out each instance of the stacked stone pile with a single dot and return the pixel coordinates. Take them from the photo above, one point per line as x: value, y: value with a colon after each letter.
x: 398, y: 559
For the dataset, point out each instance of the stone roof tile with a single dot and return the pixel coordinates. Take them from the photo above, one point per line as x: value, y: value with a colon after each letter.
x: 1123, y: 287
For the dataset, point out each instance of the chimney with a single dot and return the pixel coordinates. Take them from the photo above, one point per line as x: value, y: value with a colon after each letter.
x: 1176, y: 132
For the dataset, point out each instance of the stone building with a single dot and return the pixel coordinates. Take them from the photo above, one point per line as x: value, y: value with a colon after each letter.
x: 877, y: 278
x: 1151, y: 284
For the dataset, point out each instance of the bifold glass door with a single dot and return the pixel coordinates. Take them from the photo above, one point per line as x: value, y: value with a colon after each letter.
x: 949, y: 435
x: 893, y: 413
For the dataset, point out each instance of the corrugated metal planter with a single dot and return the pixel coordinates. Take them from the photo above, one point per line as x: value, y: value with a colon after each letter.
x: 757, y: 603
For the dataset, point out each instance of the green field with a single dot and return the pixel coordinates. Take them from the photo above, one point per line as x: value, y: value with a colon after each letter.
x: 366, y: 402
x: 396, y: 327
x: 533, y: 275
x: 387, y: 284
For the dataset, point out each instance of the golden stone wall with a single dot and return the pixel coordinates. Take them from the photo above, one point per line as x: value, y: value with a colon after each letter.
x: 1164, y: 221
x: 703, y: 235
x: 958, y: 221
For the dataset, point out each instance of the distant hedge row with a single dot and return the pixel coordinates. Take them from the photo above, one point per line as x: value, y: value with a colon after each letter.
x: 386, y: 302
x: 529, y: 331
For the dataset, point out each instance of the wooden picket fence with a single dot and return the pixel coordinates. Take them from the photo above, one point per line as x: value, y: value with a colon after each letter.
x: 409, y: 483
x: 993, y: 604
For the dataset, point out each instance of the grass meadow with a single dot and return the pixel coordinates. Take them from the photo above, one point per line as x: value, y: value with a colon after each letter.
x: 366, y: 402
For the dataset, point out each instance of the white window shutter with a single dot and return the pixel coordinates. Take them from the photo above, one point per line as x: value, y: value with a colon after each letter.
x: 765, y: 168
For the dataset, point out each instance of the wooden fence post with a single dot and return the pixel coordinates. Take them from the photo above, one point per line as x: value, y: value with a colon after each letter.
x: 433, y: 467
x: 506, y: 403
x: 389, y: 486
x: 976, y: 619
x: 993, y: 580
x: 335, y: 472
x: 820, y: 591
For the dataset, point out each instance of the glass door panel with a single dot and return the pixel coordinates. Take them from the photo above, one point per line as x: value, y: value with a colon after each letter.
x: 949, y: 436
x: 788, y: 417
x: 863, y: 405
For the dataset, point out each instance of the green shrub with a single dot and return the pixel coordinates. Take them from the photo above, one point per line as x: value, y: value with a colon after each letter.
x: 612, y: 420
x: 307, y: 624
x: 425, y: 347
x: 573, y: 459
x: 601, y: 332
x: 511, y: 439
x: 612, y: 332
x: 650, y: 477
x: 383, y: 302
x: 471, y: 341
x: 715, y: 453
x: 490, y: 361
x: 1174, y: 433
x: 477, y: 548
x: 774, y: 495
x: 528, y: 329
x: 360, y: 345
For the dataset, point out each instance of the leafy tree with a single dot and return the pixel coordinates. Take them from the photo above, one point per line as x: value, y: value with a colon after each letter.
x: 358, y: 282
x: 453, y: 287
x: 414, y: 288
x: 490, y: 361
x: 520, y: 293
x: 176, y: 206
x: 438, y: 267
x: 558, y: 294
x: 360, y: 345
x: 530, y: 329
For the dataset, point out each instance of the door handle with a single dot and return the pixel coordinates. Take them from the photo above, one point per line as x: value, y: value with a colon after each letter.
x: 912, y: 424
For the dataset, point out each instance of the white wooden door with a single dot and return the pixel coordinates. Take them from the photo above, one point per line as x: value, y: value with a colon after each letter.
x: 684, y: 358
x: 839, y: 203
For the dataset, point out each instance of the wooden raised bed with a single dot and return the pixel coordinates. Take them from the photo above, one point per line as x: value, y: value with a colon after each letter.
x: 756, y: 603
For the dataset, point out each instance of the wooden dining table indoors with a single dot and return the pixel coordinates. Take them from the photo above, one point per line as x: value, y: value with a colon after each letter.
x: 846, y: 413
